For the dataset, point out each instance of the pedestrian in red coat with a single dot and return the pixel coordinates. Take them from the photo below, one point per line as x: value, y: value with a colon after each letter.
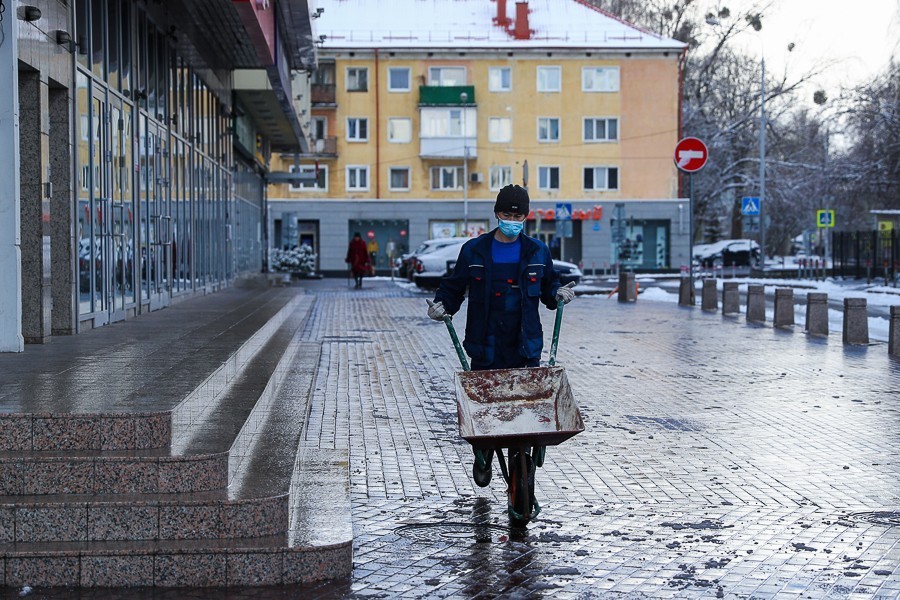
x: 358, y: 259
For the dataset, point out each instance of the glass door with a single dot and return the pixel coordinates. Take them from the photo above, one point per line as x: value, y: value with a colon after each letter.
x: 100, y: 248
x: 159, y: 218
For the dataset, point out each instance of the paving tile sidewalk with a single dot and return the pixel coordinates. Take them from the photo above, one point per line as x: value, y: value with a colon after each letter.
x: 720, y: 459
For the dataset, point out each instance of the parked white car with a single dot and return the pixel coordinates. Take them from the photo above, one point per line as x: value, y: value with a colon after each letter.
x: 406, y: 264
x: 431, y: 266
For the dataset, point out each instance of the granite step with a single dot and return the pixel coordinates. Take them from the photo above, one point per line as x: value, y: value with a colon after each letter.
x: 78, y: 518
x: 214, y: 434
x: 259, y: 561
x: 104, y: 411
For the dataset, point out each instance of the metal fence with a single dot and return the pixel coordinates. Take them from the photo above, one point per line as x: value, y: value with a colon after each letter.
x: 867, y: 255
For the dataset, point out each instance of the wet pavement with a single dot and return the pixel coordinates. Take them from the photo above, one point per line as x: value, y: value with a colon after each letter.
x: 720, y: 460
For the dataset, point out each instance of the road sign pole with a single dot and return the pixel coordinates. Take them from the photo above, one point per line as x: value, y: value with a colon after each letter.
x: 691, y: 232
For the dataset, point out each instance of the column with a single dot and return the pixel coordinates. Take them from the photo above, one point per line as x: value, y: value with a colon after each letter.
x: 709, y: 300
x: 816, y: 313
x: 784, y: 307
x: 63, y: 254
x: 34, y: 207
x: 731, y: 298
x: 11, y: 339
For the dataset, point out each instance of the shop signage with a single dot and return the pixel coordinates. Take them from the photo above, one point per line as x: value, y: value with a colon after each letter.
x: 594, y: 214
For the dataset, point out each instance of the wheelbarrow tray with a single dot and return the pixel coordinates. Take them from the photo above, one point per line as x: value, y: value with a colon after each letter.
x: 507, y: 408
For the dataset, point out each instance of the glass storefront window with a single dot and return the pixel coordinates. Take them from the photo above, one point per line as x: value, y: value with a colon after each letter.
x: 98, y: 56
x: 162, y: 86
x: 83, y: 190
x: 151, y: 70
x: 125, y: 55
x: 82, y: 32
x: 113, y: 21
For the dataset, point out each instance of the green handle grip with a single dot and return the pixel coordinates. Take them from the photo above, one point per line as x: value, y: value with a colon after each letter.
x: 556, y: 327
x: 459, y: 349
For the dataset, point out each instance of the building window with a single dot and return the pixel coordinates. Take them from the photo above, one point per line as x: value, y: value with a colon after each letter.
x: 399, y: 130
x: 549, y: 79
x: 398, y: 79
x: 357, y: 129
x: 600, y: 79
x: 320, y: 183
x: 446, y: 122
x: 548, y: 178
x: 500, y: 177
x: 500, y: 130
x: 399, y: 179
x: 548, y: 129
x: 500, y: 79
x: 446, y: 76
x: 446, y: 178
x: 601, y: 178
x: 601, y: 130
x: 357, y: 79
x: 357, y: 178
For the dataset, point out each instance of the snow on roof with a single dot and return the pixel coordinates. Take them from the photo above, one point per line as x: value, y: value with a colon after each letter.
x: 349, y: 24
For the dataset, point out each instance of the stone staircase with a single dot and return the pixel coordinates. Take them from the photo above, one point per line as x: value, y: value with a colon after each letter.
x: 189, y: 476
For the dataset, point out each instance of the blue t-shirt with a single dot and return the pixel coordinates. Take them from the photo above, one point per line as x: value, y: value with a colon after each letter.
x: 506, y: 252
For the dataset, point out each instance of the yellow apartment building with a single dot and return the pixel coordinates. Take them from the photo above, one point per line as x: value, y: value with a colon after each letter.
x: 423, y: 109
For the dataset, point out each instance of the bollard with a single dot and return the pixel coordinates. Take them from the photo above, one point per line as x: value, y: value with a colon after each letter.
x: 731, y: 298
x: 784, y: 307
x: 686, y: 292
x: 756, y: 303
x: 894, y: 332
x: 708, y: 296
x: 816, y: 313
x: 627, y: 290
x: 856, y: 321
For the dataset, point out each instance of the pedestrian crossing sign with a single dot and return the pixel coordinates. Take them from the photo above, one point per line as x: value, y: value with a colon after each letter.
x: 750, y: 206
x: 825, y: 218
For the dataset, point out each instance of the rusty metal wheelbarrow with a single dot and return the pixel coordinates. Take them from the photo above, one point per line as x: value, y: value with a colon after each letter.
x: 520, y: 410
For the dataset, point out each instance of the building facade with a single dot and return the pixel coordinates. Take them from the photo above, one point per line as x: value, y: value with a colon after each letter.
x: 419, y: 119
x: 137, y: 143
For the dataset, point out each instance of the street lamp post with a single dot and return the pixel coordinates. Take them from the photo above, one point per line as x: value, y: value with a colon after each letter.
x: 464, y: 98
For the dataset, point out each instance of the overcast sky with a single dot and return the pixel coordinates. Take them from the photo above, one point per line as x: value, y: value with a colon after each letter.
x: 861, y: 36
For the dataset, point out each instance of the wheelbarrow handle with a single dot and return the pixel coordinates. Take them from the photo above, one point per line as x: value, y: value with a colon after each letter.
x: 455, y: 338
x: 556, y: 327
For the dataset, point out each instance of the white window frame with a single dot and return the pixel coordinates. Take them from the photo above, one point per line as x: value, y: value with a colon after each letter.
x: 323, y: 169
x: 358, y: 169
x: 347, y: 78
x: 558, y: 177
x: 440, y: 122
x: 607, y: 82
x: 357, y: 138
x: 491, y: 83
x: 605, y: 188
x: 501, y: 181
x: 596, y: 140
x: 408, y: 179
x: 440, y: 82
x: 391, y: 121
x: 458, y: 177
x: 558, y: 70
x: 491, y: 130
x: 549, y: 140
x: 408, y: 79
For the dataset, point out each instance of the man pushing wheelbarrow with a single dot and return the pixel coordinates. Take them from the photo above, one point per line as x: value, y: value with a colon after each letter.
x: 507, y: 400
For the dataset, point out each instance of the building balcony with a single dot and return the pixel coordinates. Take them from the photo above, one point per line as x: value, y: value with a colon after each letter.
x: 448, y: 147
x: 451, y: 95
x: 323, y: 95
x: 324, y: 148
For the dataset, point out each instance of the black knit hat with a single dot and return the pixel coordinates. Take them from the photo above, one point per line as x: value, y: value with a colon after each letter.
x: 512, y: 199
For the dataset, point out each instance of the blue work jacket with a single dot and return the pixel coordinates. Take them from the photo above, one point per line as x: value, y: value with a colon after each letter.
x: 538, y: 281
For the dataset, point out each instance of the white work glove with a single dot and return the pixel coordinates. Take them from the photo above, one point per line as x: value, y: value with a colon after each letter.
x: 436, y: 310
x: 566, y: 293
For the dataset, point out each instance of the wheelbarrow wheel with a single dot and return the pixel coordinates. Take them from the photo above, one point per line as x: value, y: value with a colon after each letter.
x: 521, y: 486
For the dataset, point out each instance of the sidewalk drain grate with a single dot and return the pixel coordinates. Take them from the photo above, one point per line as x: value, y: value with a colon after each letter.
x: 666, y: 423
x: 890, y: 518
x: 454, y: 531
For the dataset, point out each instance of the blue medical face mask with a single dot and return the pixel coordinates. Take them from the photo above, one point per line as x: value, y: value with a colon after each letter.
x: 511, y: 228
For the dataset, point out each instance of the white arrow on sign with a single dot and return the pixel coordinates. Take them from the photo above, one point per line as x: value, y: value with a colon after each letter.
x: 686, y: 156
